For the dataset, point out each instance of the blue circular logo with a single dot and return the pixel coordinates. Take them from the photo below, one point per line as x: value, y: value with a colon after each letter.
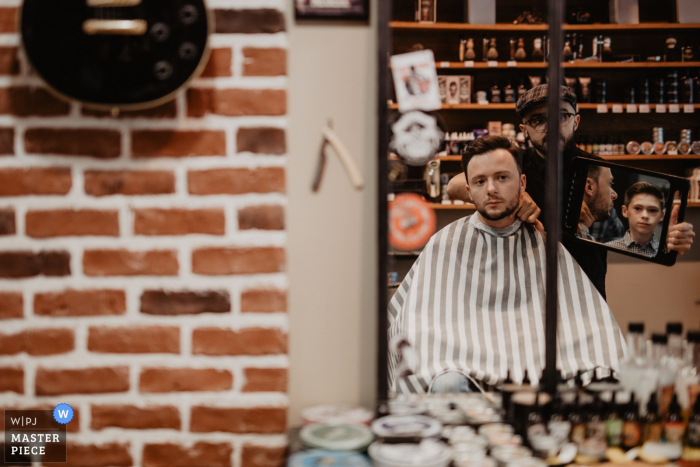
x: 63, y: 413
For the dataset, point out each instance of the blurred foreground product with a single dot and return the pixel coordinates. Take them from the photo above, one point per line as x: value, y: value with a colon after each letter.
x: 138, y: 58
x: 340, y: 414
x: 318, y: 457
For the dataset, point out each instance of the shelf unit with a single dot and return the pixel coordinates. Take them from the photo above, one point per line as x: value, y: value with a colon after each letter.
x: 623, y: 157
x: 581, y: 106
x: 468, y: 65
x: 538, y: 27
x: 471, y: 207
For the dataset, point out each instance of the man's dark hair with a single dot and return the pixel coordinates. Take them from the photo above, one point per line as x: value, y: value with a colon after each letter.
x: 644, y: 188
x: 594, y: 172
x: 487, y: 144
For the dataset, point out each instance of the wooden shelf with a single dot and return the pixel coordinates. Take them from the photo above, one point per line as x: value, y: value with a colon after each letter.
x: 653, y: 157
x: 694, y: 204
x: 581, y: 106
x: 539, y: 27
x: 574, y: 65
x: 465, y: 206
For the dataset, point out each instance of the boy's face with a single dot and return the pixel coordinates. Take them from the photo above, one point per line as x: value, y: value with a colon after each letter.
x: 644, y: 213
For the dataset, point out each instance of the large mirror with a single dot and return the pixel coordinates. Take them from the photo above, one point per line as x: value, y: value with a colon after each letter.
x: 462, y: 279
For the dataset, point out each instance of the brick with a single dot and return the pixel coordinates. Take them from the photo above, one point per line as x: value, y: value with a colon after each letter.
x: 236, y: 181
x: 201, y: 454
x: 135, y: 418
x: 263, y: 456
x: 8, y: 19
x: 236, y: 102
x: 30, y: 101
x: 130, y: 263
x: 167, y: 143
x: 179, y: 221
x: 264, y: 61
x: 72, y: 222
x: 96, y: 302
x: 219, y: 64
x: 260, y: 21
x: 261, y: 140
x: 9, y: 63
x: 145, y: 339
x: 35, y: 181
x: 263, y: 300
x: 7, y: 222
x: 12, y: 379
x: 171, y: 303
x: 101, y: 144
x: 81, y: 381
x: 265, y: 380
x: 217, y: 261
x: 261, y: 217
x: 7, y: 141
x: 129, y: 182
x: 261, y: 420
x: 248, y: 341
x: 20, y: 264
x: 38, y: 342
x: 103, y: 455
x: 184, y: 379
x: 167, y: 110
x: 11, y: 305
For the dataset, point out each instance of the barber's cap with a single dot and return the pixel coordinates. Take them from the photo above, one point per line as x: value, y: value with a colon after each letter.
x: 539, y: 94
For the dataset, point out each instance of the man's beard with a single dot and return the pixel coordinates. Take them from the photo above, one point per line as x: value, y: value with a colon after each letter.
x: 599, y: 211
x: 510, y: 209
x: 568, y: 147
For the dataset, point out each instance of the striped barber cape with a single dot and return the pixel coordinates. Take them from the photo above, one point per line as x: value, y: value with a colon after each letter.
x: 474, y: 302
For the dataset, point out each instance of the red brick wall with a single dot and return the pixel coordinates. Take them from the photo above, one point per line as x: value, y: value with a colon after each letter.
x: 142, y: 258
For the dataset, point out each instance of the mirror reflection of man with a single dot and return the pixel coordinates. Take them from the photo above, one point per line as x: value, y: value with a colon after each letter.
x: 472, y: 305
x: 644, y: 209
x: 598, y: 198
x: 532, y: 110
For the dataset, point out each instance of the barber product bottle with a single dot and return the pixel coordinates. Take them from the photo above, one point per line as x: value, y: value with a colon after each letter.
x: 521, y: 88
x: 526, y: 379
x: 631, y: 430
x: 535, y: 423
x: 667, y: 371
x: 692, y: 434
x: 559, y: 426
x: 577, y: 420
x: 537, y: 53
x: 673, y: 53
x: 469, y: 54
x: 687, y: 91
x: 509, y: 93
x: 568, y: 52
x: 520, y: 54
x: 653, y: 428
x: 613, y: 425
x: 674, y: 425
x: 495, y: 93
x: 595, y: 427
x: 492, y: 53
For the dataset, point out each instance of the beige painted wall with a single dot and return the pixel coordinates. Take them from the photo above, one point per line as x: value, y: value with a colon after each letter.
x: 331, y: 243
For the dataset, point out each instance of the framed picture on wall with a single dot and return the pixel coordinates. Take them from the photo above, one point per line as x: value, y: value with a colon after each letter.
x: 332, y: 9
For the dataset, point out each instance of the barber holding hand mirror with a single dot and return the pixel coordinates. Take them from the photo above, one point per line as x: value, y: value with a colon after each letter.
x: 532, y: 110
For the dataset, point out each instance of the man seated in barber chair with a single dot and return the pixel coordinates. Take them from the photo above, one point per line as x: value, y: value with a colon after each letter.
x: 472, y: 305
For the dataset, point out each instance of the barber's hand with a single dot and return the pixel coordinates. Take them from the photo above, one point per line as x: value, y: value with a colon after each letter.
x: 539, y: 227
x: 680, y: 236
x: 586, y: 217
x: 527, y: 210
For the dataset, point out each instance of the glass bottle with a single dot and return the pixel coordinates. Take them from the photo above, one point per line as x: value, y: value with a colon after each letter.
x: 537, y: 53
x: 688, y: 380
x: 495, y: 93
x: 631, y: 429
x: 613, y: 425
x: 509, y: 93
x: 692, y: 434
x: 521, y: 88
x: 535, y: 423
x: 674, y: 425
x: 492, y: 53
x: 653, y: 428
x: 469, y: 54
x: 667, y: 373
x: 520, y: 53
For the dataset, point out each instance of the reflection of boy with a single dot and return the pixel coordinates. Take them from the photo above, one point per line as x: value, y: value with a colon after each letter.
x: 644, y: 209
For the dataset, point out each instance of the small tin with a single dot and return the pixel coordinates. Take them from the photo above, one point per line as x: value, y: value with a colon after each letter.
x: 461, y: 461
x: 672, y: 148
x: 427, y: 453
x: 685, y: 148
x: 318, y: 458
x: 491, y: 429
x: 407, y: 425
x: 461, y: 434
x: 336, y: 437
x: 633, y: 148
x: 471, y: 450
x: 406, y: 407
x: 647, y: 148
x: 659, y: 148
x: 695, y: 147
x: 505, y: 454
x: 338, y: 414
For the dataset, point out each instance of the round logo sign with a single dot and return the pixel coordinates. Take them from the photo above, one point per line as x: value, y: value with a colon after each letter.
x: 412, y: 222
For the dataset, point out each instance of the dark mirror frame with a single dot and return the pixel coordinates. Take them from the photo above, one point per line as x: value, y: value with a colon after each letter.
x: 574, y: 197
